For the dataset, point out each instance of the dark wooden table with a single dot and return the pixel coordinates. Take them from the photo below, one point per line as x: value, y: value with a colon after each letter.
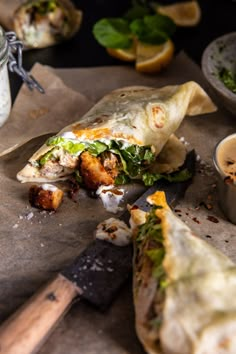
x: 218, y: 18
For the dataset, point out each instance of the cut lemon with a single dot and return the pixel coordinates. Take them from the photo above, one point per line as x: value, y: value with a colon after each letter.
x: 152, y: 58
x: 182, y: 13
x: 123, y: 54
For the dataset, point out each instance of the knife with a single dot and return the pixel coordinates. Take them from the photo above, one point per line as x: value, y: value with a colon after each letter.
x: 96, y: 275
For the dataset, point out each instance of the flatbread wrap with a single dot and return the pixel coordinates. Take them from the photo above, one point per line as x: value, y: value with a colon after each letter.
x: 120, y: 138
x: 40, y: 23
x: 184, y: 289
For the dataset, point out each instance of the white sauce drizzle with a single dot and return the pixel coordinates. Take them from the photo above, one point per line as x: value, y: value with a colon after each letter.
x: 110, y: 198
x: 68, y: 135
x: 49, y: 187
x: 115, y: 231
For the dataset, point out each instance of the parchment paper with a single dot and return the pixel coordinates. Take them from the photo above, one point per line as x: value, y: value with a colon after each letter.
x: 34, y: 245
x: 35, y: 114
x: 7, y: 10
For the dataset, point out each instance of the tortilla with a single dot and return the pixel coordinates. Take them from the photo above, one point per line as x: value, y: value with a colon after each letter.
x: 40, y: 23
x: 120, y: 137
x: 184, y: 288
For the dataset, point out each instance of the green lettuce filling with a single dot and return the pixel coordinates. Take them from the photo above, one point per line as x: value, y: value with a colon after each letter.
x: 134, y: 159
x: 150, y: 235
x: 150, y: 244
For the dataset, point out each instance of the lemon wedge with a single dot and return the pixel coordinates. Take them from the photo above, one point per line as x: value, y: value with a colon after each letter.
x: 152, y: 58
x: 123, y: 54
x: 182, y: 13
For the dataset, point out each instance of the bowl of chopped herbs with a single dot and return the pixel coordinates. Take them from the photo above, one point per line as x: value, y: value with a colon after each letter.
x: 219, y: 68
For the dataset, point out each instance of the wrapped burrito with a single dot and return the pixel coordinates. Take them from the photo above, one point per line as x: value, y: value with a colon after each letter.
x: 184, y: 288
x: 40, y: 23
x: 120, y: 138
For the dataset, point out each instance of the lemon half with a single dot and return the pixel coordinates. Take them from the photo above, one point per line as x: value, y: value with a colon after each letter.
x: 153, y: 58
x: 123, y: 54
x: 182, y: 13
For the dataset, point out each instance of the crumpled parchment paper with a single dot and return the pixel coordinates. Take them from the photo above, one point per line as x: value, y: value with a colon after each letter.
x: 34, y: 245
x: 35, y: 114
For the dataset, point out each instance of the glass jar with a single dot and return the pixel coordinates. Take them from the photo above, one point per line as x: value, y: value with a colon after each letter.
x: 5, y: 94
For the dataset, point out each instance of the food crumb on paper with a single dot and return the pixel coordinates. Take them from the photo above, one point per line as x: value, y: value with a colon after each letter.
x: 30, y: 215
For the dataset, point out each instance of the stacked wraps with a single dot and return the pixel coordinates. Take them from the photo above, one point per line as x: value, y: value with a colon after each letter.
x: 120, y: 137
x: 184, y: 289
x: 40, y: 23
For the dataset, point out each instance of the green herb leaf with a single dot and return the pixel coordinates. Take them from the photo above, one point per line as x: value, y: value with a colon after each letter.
x: 153, y: 29
x: 113, y: 33
x: 136, y: 11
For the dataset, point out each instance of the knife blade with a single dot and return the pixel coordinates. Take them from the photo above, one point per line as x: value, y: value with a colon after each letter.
x: 95, y: 275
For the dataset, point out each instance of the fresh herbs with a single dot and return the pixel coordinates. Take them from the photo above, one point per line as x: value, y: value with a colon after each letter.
x: 140, y: 22
x: 228, y: 78
x: 113, y: 33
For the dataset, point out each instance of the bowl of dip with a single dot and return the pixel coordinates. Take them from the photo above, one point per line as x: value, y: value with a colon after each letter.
x: 219, y: 68
x: 225, y: 163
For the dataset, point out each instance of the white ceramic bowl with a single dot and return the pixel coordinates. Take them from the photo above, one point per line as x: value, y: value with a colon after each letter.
x: 219, y: 54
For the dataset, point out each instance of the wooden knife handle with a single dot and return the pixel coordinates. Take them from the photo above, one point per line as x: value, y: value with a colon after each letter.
x: 24, y: 331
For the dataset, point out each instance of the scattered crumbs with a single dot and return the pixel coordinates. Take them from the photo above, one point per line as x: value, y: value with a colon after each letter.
x: 208, y: 236
x: 212, y: 219
x: 15, y: 226
x: 85, y: 267
x: 187, y: 214
x: 74, y: 275
x: 41, y: 244
x: 29, y: 216
x: 226, y: 241
x: 60, y: 224
x: 196, y: 220
x: 21, y: 217
x: 84, y: 287
x: 177, y: 210
x: 198, y: 158
x: 179, y: 215
x: 110, y: 269
x: 96, y: 268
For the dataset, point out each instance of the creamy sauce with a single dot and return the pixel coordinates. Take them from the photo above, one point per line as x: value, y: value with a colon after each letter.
x: 111, y: 197
x: 49, y: 187
x: 5, y: 96
x: 226, y: 157
x: 68, y: 135
x: 114, y: 231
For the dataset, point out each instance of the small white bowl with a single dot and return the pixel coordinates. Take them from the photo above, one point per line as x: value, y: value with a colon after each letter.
x: 224, y: 160
x: 219, y: 54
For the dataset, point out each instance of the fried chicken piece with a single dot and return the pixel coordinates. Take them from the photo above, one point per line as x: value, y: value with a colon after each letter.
x: 93, y: 172
x: 46, y: 196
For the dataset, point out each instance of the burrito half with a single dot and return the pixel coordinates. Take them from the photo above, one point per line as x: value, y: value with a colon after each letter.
x: 119, y: 139
x: 41, y: 23
x: 184, y: 288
